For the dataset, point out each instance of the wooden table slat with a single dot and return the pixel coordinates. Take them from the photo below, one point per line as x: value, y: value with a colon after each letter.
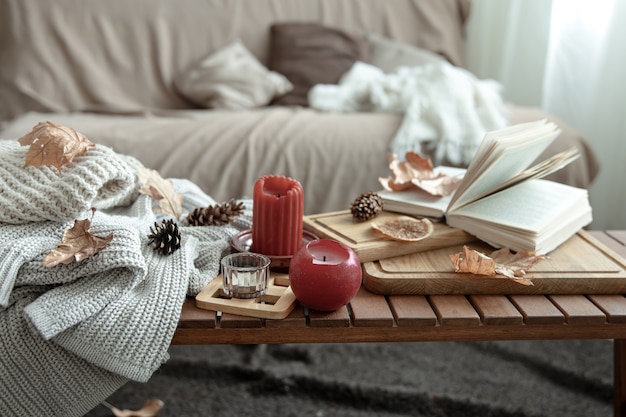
x: 193, y: 317
x: 578, y: 309
x: 537, y: 309
x: 496, y: 310
x: 339, y: 318
x: 454, y: 310
x: 614, y: 306
x: 370, y: 310
x: 229, y: 321
x: 295, y: 319
x: 412, y: 310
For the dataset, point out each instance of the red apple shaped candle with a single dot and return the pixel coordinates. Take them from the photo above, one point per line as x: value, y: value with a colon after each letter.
x: 325, y: 274
x: 277, y: 212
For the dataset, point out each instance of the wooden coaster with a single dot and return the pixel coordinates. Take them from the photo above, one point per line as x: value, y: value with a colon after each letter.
x: 277, y: 302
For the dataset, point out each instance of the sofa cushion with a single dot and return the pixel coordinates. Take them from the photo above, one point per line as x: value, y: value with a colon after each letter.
x: 388, y: 54
x: 310, y: 53
x: 231, y: 78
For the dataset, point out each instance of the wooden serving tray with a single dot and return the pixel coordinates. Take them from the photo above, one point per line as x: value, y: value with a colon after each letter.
x: 582, y: 265
x: 371, y: 245
x: 277, y: 303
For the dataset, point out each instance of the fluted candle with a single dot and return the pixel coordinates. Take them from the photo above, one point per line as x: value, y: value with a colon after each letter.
x: 277, y: 213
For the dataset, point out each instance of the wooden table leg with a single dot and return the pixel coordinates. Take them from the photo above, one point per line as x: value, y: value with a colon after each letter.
x: 619, y: 377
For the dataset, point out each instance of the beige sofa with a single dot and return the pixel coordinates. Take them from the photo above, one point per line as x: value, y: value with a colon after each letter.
x: 113, y: 70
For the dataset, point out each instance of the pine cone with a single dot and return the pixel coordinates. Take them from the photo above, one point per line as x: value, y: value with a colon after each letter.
x: 215, y: 215
x: 165, y: 238
x: 366, y: 206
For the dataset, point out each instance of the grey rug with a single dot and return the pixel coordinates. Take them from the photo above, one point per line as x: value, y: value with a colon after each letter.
x: 464, y: 379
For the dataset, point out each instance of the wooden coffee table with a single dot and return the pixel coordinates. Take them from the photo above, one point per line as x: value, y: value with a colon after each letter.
x: 411, y: 318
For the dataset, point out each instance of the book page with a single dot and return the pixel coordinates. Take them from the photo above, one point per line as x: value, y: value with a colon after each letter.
x: 546, y: 167
x: 537, y: 215
x: 506, y: 155
x: 531, y: 206
x: 486, y: 147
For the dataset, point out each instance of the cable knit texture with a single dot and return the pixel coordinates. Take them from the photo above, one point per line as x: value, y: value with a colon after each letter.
x: 72, y: 334
x: 100, y: 179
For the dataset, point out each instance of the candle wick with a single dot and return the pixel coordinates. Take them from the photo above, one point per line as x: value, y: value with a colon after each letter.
x: 324, y: 258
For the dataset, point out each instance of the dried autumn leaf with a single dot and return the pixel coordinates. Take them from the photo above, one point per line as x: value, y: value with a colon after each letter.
x: 77, y: 244
x: 501, y: 262
x: 150, y: 408
x: 418, y: 172
x: 161, y: 190
x: 405, y: 228
x: 441, y: 185
x: 473, y: 262
x: 53, y: 144
x: 514, y: 265
x: 415, y: 166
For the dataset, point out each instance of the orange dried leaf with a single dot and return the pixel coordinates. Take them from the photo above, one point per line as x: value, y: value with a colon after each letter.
x: 417, y: 172
x: 501, y: 262
x: 150, y: 408
x: 514, y: 265
x: 473, y: 262
x: 161, y: 190
x: 440, y: 185
x: 418, y: 162
x: 53, y: 144
x: 390, y: 185
x: 415, y: 166
x: 77, y: 244
x: 405, y: 228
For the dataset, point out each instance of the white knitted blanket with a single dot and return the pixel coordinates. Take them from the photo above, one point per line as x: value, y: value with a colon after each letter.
x: 72, y: 334
x: 446, y: 109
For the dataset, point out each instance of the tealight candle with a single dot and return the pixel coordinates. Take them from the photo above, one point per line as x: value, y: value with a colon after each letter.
x: 277, y: 213
x: 245, y: 275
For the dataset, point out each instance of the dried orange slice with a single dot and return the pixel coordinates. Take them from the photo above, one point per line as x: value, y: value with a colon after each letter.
x: 405, y: 228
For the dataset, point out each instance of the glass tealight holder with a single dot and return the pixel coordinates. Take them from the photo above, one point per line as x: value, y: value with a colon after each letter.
x: 245, y: 275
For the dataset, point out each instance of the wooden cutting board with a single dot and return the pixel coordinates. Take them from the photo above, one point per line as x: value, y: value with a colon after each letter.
x: 371, y: 245
x: 582, y: 265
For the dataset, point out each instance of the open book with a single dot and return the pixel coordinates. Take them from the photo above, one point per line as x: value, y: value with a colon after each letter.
x: 502, y: 201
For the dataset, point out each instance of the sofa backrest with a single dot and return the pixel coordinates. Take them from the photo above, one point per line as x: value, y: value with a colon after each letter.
x: 122, y: 56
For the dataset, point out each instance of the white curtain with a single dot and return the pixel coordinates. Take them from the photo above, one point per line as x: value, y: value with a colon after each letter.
x: 569, y: 58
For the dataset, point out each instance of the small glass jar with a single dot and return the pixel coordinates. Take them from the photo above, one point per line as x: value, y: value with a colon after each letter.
x: 245, y: 275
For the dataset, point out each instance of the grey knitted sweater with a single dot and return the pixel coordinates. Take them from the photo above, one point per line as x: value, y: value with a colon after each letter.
x: 72, y: 334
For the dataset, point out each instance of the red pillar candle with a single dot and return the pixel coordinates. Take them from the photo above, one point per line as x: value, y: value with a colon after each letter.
x: 277, y: 211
